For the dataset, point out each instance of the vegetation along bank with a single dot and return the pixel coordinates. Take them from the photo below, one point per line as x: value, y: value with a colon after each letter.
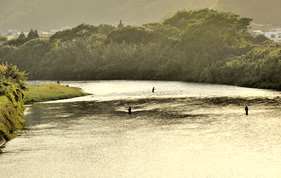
x: 14, y: 93
x: 194, y: 46
x: 48, y: 92
x: 12, y: 89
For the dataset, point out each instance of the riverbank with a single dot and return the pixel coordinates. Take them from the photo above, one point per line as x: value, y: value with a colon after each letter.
x: 48, y: 92
x: 11, y: 120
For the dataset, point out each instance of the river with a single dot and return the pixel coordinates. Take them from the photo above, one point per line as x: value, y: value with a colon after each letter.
x: 180, y: 130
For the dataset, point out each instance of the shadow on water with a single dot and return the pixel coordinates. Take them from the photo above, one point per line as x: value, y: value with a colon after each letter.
x: 160, y: 134
x: 163, y: 110
x: 241, y: 101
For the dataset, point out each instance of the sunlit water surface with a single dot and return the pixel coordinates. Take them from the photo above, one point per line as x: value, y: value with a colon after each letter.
x: 181, y: 130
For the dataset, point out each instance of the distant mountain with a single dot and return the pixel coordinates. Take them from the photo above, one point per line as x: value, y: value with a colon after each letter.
x: 52, y: 14
x: 262, y: 11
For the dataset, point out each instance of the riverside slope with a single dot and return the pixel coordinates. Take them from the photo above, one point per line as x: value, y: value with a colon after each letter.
x: 12, y: 119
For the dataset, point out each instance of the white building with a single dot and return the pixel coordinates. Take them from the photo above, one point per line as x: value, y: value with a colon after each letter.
x: 257, y: 32
x: 43, y: 34
x: 274, y: 34
x: 13, y: 33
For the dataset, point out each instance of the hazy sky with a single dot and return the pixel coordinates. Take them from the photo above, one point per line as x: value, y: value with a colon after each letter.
x: 48, y: 14
x: 53, y: 14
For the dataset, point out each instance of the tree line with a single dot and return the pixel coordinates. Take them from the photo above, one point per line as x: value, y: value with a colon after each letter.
x: 196, y: 46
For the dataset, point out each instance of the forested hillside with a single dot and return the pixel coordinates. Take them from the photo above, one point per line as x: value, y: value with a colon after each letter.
x: 52, y: 14
x: 263, y: 12
x: 201, y: 46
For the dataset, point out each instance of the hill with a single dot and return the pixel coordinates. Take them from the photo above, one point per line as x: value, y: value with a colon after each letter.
x: 53, y: 14
x: 263, y: 12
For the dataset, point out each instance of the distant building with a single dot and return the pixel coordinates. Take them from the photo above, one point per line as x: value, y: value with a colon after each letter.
x: 44, y: 34
x: 274, y: 34
x: 13, y: 33
x: 53, y: 31
x: 10, y: 38
x: 257, y: 32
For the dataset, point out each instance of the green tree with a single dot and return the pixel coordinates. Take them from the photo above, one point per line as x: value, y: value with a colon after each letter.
x: 130, y: 34
x: 12, y: 85
x: 208, y: 36
x: 6, y: 51
x: 260, y: 39
x: 2, y: 39
x: 22, y: 39
x: 161, y: 32
x: 83, y: 31
x: 30, y: 55
x: 105, y: 29
x: 32, y: 34
x: 19, y: 41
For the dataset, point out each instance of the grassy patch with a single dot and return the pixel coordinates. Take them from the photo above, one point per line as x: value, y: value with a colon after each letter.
x: 11, y: 113
x: 47, y: 92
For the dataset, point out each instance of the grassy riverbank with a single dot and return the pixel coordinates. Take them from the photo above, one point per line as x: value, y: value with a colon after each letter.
x: 47, y: 92
x: 11, y: 119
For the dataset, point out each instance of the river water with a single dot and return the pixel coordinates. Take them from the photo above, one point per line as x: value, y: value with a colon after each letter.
x: 181, y: 130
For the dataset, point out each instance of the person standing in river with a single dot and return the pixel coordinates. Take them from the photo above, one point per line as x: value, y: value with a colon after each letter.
x: 129, y: 110
x: 153, y: 90
x: 246, y: 109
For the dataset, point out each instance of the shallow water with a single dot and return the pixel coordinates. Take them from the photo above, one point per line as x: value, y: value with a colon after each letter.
x: 181, y: 130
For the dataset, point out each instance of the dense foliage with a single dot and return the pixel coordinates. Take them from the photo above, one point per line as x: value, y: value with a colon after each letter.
x: 203, y: 46
x: 11, y: 100
x: 22, y: 38
x: 2, y: 39
x: 12, y: 85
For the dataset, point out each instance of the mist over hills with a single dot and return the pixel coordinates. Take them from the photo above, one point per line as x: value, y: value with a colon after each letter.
x: 53, y: 14
x: 262, y: 11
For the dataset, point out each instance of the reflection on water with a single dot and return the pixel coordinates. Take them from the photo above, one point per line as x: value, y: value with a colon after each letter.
x: 166, y: 136
x: 110, y: 90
